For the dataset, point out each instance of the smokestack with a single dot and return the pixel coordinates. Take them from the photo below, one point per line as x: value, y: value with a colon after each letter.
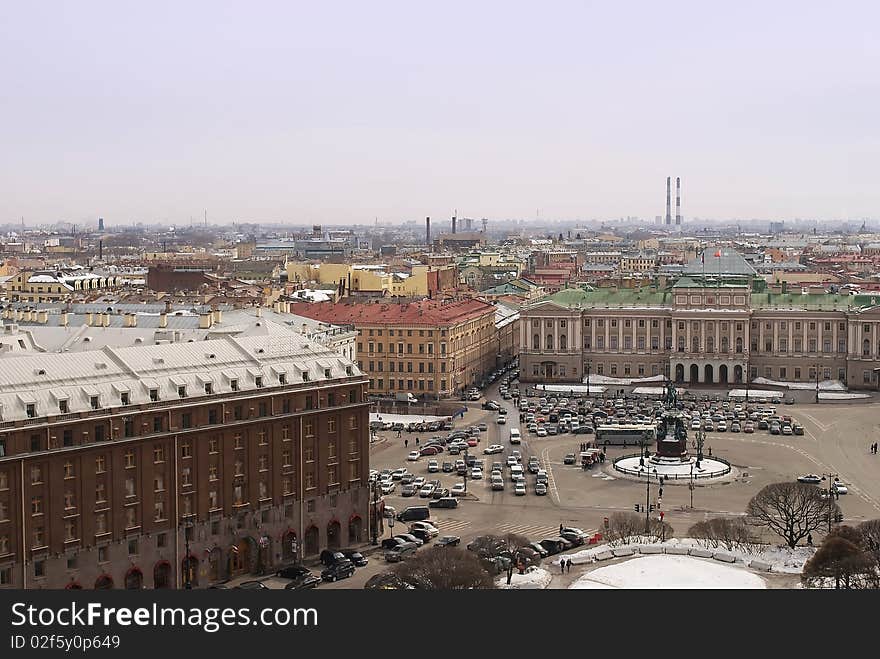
x: 427, y: 230
x: 453, y: 224
x: 677, y: 201
x: 100, y: 250
x: 668, y: 200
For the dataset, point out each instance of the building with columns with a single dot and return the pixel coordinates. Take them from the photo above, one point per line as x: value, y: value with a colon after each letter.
x: 707, y: 330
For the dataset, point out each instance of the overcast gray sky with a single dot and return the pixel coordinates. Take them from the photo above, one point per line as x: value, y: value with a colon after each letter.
x: 342, y: 112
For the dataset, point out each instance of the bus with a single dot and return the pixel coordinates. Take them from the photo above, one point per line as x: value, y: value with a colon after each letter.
x: 634, y: 434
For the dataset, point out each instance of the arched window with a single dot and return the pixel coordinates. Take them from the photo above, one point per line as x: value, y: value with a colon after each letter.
x: 536, y: 341
x: 710, y: 344
x: 725, y: 344
x: 739, y: 344
x: 563, y: 343
x: 549, y: 344
x: 866, y: 348
x: 695, y: 344
x: 681, y: 344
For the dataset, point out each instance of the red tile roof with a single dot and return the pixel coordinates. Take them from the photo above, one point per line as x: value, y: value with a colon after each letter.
x: 427, y: 312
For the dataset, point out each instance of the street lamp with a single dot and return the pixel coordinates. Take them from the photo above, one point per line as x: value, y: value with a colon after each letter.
x: 691, y: 485
x: 832, y: 478
x: 375, y: 516
x: 648, y: 497
x: 817, y: 387
x: 589, y: 365
x: 465, y: 470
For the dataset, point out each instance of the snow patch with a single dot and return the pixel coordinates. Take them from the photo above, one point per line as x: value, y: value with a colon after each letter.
x: 824, y: 385
x: 535, y: 578
x: 669, y: 572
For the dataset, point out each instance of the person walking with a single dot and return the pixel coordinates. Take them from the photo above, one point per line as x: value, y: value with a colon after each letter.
x: 560, y: 529
x: 810, y: 539
x: 405, y: 441
x: 417, y: 441
x: 562, y: 565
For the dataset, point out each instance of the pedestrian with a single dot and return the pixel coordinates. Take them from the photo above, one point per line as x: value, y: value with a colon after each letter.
x: 569, y: 565
x: 562, y: 565
x: 405, y: 442
x: 810, y: 539
x: 560, y: 529
x: 417, y: 441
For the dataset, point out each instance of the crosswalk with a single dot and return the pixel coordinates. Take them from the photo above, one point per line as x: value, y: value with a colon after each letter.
x: 448, y: 525
x: 534, y: 531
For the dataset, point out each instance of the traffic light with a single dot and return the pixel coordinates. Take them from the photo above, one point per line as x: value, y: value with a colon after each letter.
x: 652, y: 508
x: 636, y: 507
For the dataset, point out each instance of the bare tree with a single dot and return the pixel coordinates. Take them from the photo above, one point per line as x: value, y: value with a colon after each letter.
x: 731, y: 534
x: 842, y: 557
x: 444, y: 568
x: 870, y: 531
x: 624, y: 528
x: 791, y: 510
x: 659, y: 531
x: 508, y: 551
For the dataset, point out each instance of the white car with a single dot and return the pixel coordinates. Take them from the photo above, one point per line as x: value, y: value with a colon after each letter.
x: 427, y: 527
x: 501, y: 420
x: 476, y: 474
x: 722, y: 426
x: 388, y: 487
x: 695, y: 424
x: 433, y: 466
x: 840, y: 488
x: 413, y: 456
x: 427, y: 490
x: 397, y: 474
x: 519, y: 489
x: 541, y: 432
x: 494, y: 448
x: 457, y: 490
x: 511, y: 460
x: 419, y: 482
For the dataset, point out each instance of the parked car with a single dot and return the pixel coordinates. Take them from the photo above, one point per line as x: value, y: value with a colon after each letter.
x: 413, y: 514
x: 340, y: 570
x: 541, y: 489
x: 388, y: 487
x: 440, y: 493
x: 447, y: 467
x: 569, y: 459
x: 300, y: 577
x: 519, y: 489
x: 446, y: 502
x: 501, y: 420
x: 449, y: 541
x: 538, y: 549
x: 798, y: 429
x: 400, y: 552
x: 810, y: 478
x: 251, y: 585
x: 426, y: 526
x: 494, y: 448
x: 574, y: 535
x: 388, y: 543
x: 433, y: 466
x: 458, y: 490
x: 355, y: 557
x: 329, y: 557
x: 430, y: 450
x: 413, y: 456
x: 839, y: 487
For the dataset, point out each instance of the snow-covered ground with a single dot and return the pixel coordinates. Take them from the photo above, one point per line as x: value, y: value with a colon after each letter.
x: 624, y: 382
x: 708, y: 468
x: 754, y: 393
x: 824, y: 385
x: 534, y: 579
x: 406, y: 418
x: 573, y: 388
x: 834, y: 395
x: 662, y: 571
x: 781, y: 559
x: 656, y: 391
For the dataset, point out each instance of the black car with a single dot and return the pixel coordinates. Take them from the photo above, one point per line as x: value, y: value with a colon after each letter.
x: 440, y: 493
x: 422, y: 535
x: 449, y: 541
x: 300, y: 578
x: 341, y: 570
x: 329, y: 557
x: 445, y: 502
x: 251, y: 585
x: 390, y: 543
x: 355, y: 557
x: 447, y: 467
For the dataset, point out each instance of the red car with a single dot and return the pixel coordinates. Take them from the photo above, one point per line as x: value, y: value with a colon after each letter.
x: 429, y: 450
x: 472, y: 442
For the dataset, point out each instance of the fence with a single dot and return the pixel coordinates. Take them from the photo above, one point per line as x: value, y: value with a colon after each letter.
x: 674, y: 477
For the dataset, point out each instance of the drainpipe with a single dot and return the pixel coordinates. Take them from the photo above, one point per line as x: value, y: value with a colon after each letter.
x: 23, y: 533
x: 176, y: 517
x: 301, y: 545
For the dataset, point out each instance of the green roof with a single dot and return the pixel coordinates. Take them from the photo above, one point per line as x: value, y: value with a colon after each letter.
x: 823, y: 301
x: 608, y: 297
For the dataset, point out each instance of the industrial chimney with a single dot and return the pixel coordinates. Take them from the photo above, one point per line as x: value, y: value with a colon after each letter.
x: 427, y: 230
x: 677, y: 201
x: 668, y: 200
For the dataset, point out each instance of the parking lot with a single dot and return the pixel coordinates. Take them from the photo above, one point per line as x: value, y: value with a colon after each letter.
x: 835, y: 440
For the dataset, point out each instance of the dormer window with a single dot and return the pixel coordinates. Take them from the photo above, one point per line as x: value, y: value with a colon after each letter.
x: 63, y: 407
x: 181, y: 391
x: 233, y: 384
x: 258, y: 381
x: 282, y: 378
x: 124, y: 398
x: 31, y: 410
x: 327, y: 373
x: 209, y: 388
x: 94, y: 402
x: 154, y: 395
x: 348, y: 370
x: 305, y: 376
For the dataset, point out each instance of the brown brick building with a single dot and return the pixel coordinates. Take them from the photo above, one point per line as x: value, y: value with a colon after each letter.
x: 428, y: 348
x: 255, y: 448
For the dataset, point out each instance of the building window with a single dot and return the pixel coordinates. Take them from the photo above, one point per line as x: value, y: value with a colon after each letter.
x: 130, y: 487
x: 186, y: 450
x: 100, y: 493
x: 36, y: 474
x: 31, y: 410
x: 154, y: 395
x: 62, y: 407
x: 129, y: 459
x: 68, y: 470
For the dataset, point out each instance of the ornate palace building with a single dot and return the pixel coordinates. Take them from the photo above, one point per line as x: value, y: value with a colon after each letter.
x: 705, y: 328
x: 154, y: 466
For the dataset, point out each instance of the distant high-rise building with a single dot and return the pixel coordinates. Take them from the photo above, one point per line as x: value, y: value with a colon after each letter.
x: 100, y: 224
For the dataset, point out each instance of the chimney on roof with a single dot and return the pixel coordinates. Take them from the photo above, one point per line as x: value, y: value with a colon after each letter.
x: 64, y: 320
x: 43, y: 317
x: 218, y: 316
x: 259, y: 311
x: 90, y: 319
x: 131, y: 320
x: 163, y: 320
x: 105, y: 320
x: 205, y: 320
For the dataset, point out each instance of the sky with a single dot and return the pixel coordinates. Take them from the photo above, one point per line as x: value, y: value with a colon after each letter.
x: 342, y: 112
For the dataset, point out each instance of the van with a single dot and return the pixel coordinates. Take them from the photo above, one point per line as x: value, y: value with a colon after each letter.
x: 414, y: 514
x: 515, y: 436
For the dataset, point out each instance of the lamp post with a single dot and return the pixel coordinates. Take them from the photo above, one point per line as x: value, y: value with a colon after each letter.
x: 817, y: 386
x: 832, y: 478
x: 648, y: 498
x: 465, y: 470
x: 691, y: 485
x: 589, y: 365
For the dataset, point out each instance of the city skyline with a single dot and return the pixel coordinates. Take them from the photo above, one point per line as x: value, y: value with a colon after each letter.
x: 283, y: 114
